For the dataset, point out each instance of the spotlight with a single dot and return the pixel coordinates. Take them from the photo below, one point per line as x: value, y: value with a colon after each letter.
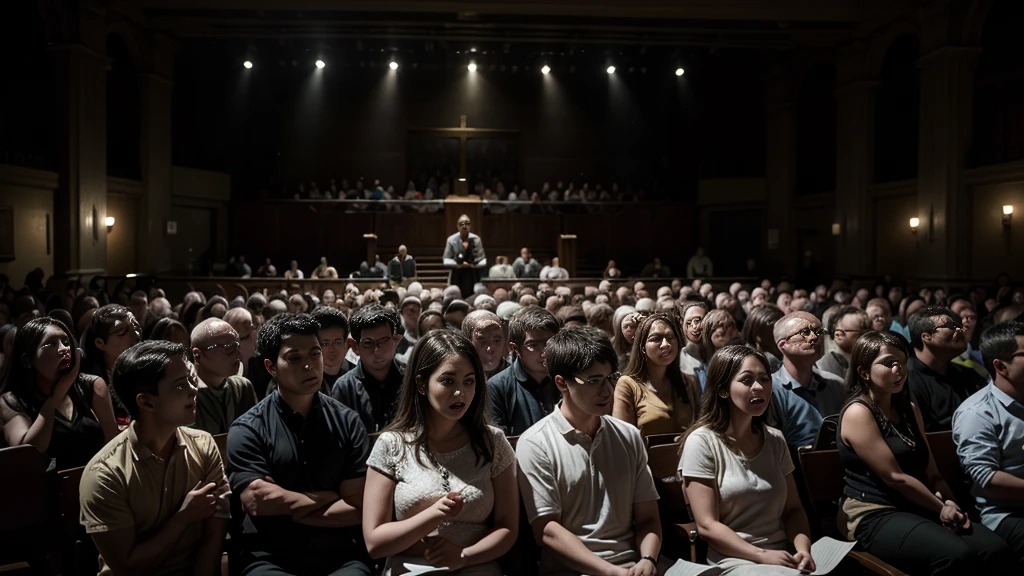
x: 472, y: 67
x: 545, y: 70
x: 393, y: 65
x: 680, y: 71
x: 611, y: 70
x: 247, y: 65
x: 320, y: 64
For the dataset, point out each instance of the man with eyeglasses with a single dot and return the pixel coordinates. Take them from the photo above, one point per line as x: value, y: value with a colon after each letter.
x: 802, y: 394
x: 588, y: 492
x: 371, y: 388
x: 845, y: 326
x: 937, y: 384
x: 464, y: 257
x: 223, y: 395
x: 971, y: 358
x: 523, y: 393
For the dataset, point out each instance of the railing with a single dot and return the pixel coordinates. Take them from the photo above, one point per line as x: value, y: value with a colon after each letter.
x: 438, y: 206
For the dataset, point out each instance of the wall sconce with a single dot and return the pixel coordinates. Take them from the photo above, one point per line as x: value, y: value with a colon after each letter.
x: 1007, y: 215
x: 836, y: 229
x: 109, y: 221
x: 914, y: 223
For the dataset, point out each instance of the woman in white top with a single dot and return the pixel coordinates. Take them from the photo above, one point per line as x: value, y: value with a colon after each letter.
x: 738, y: 474
x: 447, y: 478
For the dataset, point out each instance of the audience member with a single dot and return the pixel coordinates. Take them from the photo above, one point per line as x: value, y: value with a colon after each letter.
x: 897, y: 505
x: 738, y: 475
x: 611, y: 271
x: 333, y: 337
x: 652, y: 393
x: 526, y: 266
x: 971, y: 358
x: 430, y: 320
x: 717, y: 330
x: 112, y: 330
x: 988, y: 429
x: 298, y: 460
x: 501, y: 269
x: 939, y: 386
x: 47, y: 403
x: 579, y: 455
x: 267, y: 269
x: 699, y: 265
x: 241, y: 320
x: 371, y: 388
x: 600, y: 316
x: 155, y: 498
x: 523, y: 394
x: 293, y: 273
x: 691, y: 315
x: 402, y: 267
x: 554, y: 271
x: 442, y: 410
x: 759, y: 333
x: 223, y: 395
x: 656, y: 269
x: 624, y: 321
x: 846, y: 324
x: 483, y: 329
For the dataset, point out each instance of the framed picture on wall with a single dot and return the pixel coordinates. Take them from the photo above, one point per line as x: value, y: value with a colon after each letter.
x: 6, y: 233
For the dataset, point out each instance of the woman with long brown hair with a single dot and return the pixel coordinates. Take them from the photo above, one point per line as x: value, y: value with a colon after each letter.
x: 718, y: 329
x: 653, y: 394
x: 445, y: 476
x: 758, y: 333
x: 738, y: 474
x: 896, y: 503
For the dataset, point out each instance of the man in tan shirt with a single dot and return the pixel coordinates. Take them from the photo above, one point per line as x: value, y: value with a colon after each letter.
x: 155, y: 498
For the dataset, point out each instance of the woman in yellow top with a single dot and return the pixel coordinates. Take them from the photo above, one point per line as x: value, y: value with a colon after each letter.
x: 653, y: 394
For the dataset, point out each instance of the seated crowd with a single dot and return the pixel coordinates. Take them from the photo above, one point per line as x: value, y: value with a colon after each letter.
x: 390, y: 428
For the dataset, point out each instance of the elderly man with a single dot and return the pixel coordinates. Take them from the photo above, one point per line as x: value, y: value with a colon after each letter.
x: 554, y: 271
x: 464, y: 256
x: 403, y: 266
x: 223, y: 395
x: 526, y: 266
x: 937, y: 384
x: 501, y: 269
x: 798, y: 384
x: 846, y: 325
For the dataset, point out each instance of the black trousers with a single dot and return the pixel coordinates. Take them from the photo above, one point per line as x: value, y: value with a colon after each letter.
x: 919, y: 545
x: 1011, y: 529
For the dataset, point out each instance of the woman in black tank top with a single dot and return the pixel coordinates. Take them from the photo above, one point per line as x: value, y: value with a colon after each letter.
x: 891, y: 479
x: 46, y: 403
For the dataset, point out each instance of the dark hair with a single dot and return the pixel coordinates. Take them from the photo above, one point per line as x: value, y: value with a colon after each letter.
x: 273, y: 331
x: 529, y: 319
x: 715, y: 404
x: 163, y: 327
x: 330, y: 318
x: 571, y: 313
x: 63, y: 315
x: 412, y: 413
x: 998, y: 343
x: 369, y: 317
x: 255, y: 303
x: 15, y: 376
x: 140, y: 368
x: 103, y: 320
x: 843, y: 311
x: 921, y: 322
x: 575, y: 349
x: 637, y: 367
x: 760, y: 317
x: 865, y: 350
x: 427, y: 314
x: 713, y: 320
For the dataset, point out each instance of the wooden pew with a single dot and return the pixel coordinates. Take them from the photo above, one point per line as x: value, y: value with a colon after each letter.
x: 27, y: 511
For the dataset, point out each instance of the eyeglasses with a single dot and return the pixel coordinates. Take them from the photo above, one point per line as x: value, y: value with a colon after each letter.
x: 228, y: 348
x: 806, y: 332
x: 374, y: 344
x: 595, y: 381
x: 464, y: 223
x: 953, y: 326
x: 692, y: 322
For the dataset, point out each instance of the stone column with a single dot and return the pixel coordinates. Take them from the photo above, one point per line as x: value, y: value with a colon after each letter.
x: 780, y: 172
x: 80, y: 201
x: 855, y: 114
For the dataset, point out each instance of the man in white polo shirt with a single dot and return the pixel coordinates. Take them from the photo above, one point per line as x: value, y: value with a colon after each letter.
x: 583, y: 474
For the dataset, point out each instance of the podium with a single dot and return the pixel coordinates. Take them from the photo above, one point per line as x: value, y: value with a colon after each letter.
x: 567, y: 253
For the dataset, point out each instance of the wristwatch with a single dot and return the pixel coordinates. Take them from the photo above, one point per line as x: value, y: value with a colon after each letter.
x: 652, y: 559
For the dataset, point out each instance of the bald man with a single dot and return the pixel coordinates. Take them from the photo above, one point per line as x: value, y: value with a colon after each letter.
x: 802, y: 393
x: 241, y: 320
x: 483, y: 328
x: 223, y: 395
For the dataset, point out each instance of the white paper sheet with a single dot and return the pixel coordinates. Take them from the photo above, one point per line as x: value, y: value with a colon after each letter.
x: 408, y: 566
x: 684, y: 568
x: 828, y: 553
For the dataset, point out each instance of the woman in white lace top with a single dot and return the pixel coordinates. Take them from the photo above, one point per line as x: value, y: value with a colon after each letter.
x: 445, y: 476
